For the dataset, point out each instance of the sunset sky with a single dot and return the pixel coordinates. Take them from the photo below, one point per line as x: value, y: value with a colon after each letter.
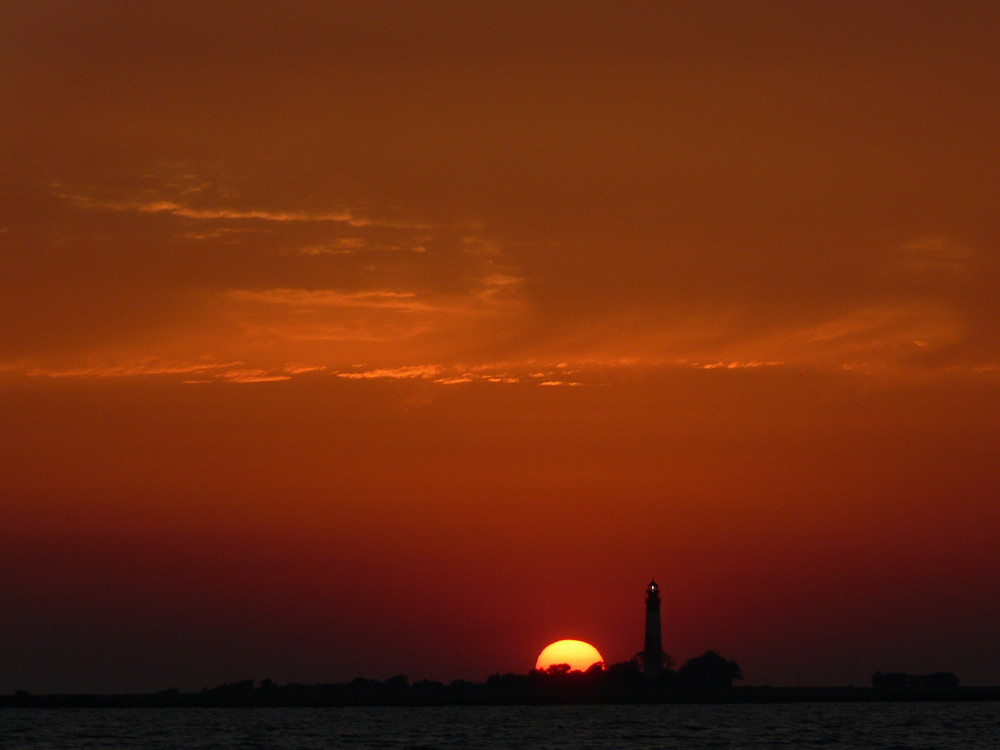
x: 368, y: 338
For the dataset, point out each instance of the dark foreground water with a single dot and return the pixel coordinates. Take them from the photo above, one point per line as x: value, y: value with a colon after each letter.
x: 899, y: 726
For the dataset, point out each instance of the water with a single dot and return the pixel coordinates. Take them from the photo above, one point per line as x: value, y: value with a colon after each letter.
x: 831, y: 726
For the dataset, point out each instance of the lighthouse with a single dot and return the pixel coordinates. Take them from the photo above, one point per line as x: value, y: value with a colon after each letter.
x: 652, y: 656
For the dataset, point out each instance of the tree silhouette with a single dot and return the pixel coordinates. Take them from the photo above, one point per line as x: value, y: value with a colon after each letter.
x: 710, y: 670
x: 902, y: 680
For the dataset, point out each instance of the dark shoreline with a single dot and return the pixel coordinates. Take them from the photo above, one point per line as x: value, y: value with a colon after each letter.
x: 319, y: 697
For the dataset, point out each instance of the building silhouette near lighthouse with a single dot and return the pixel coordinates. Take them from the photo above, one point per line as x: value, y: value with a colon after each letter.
x: 652, y: 655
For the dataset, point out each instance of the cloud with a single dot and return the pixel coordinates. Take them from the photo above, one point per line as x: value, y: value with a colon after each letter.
x: 230, y: 372
x: 427, y: 372
x: 210, y: 280
x: 939, y: 258
x: 252, y: 375
x: 339, y: 246
x: 398, y: 295
x: 306, y: 299
x: 216, y: 213
x: 208, y: 202
x: 734, y: 365
x: 135, y: 368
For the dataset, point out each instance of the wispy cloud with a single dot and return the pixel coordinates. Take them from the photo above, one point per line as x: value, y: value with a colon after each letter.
x: 884, y: 334
x: 205, y: 372
x: 884, y: 331
x: 215, y: 213
x: 339, y: 246
x: 937, y: 260
x: 319, y: 298
x: 205, y: 202
x: 427, y: 372
x: 456, y: 296
x: 252, y: 375
x: 734, y: 365
x: 124, y: 370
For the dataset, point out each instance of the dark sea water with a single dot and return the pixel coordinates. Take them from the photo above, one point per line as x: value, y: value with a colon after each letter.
x: 895, y: 726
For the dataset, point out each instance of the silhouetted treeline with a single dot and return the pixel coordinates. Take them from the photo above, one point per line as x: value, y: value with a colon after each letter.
x: 904, y: 681
x: 622, y: 682
x: 706, y: 678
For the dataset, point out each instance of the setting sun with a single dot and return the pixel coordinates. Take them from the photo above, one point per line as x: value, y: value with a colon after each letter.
x: 577, y: 654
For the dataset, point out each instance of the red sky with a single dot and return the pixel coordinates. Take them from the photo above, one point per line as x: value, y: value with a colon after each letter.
x: 346, y: 339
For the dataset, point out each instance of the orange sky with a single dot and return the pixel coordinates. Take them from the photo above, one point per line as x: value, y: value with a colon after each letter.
x: 367, y: 338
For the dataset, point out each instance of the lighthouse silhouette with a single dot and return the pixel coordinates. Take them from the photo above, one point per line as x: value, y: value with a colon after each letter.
x: 652, y: 656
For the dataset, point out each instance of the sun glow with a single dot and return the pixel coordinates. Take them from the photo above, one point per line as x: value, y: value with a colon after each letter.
x: 577, y: 654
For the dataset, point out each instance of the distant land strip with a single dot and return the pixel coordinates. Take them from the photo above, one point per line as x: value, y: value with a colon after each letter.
x: 238, y: 695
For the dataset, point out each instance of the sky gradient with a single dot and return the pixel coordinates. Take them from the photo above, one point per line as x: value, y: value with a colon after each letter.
x: 369, y: 338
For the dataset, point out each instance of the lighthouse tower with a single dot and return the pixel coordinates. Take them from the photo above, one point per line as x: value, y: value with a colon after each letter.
x: 653, y: 656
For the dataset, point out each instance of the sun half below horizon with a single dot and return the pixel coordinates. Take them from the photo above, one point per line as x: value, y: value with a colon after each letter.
x: 577, y: 654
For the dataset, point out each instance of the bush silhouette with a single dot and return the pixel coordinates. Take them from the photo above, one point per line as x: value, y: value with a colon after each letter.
x: 710, y: 670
